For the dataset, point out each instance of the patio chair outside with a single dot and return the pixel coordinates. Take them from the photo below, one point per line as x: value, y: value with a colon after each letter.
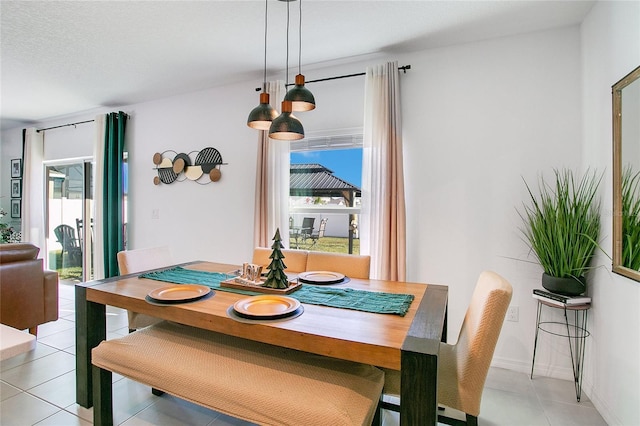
x: 315, y: 236
x: 307, y: 228
x: 66, y: 236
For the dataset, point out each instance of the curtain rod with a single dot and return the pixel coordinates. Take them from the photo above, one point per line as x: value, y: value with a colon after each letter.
x: 64, y: 125
x: 70, y: 124
x: 403, y: 68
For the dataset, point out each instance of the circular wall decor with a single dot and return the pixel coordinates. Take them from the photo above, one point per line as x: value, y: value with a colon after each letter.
x: 170, y: 167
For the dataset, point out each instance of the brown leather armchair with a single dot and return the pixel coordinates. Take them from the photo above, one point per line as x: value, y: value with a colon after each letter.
x: 28, y: 293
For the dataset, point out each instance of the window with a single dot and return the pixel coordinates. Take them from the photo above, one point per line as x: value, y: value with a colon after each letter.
x: 324, y: 192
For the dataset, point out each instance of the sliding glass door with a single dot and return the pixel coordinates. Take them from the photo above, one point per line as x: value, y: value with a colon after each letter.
x: 69, y: 219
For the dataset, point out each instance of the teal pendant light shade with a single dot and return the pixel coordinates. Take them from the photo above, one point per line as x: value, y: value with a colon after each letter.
x: 260, y: 117
x: 286, y: 126
x: 301, y: 98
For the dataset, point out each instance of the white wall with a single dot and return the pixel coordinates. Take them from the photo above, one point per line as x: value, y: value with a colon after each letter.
x: 611, y: 49
x: 10, y: 148
x: 477, y: 118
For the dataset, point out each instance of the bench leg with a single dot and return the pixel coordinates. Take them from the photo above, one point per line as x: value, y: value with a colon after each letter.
x: 102, y: 397
x: 377, y: 418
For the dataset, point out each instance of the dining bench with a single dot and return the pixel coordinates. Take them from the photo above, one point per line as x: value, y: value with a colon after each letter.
x: 253, y: 381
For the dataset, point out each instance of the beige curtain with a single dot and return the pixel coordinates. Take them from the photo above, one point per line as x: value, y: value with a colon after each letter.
x: 383, y: 211
x: 32, y: 223
x: 98, y: 188
x: 272, y: 181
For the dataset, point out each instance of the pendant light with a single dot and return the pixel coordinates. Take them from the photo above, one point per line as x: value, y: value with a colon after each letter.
x: 301, y: 98
x: 286, y: 126
x: 260, y: 117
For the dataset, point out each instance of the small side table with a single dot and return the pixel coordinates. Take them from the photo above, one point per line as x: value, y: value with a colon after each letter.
x: 576, y: 332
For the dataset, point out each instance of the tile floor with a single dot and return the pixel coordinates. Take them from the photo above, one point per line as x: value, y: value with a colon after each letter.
x: 38, y: 388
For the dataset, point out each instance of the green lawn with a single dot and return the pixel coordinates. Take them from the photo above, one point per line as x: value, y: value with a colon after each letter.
x: 72, y: 273
x: 332, y: 245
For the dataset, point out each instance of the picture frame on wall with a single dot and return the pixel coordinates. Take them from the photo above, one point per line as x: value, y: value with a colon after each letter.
x: 16, y: 208
x: 16, y: 168
x: 16, y: 188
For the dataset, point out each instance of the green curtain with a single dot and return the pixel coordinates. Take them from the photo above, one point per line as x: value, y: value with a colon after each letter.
x: 113, y: 213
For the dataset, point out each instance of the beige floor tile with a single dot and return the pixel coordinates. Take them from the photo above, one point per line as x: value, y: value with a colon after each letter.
x: 40, y: 351
x: 63, y: 418
x: 24, y: 409
x: 60, y: 391
x: 41, y: 370
x: 7, y: 391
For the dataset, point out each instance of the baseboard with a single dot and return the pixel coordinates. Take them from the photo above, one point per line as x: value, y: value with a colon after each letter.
x: 544, y: 370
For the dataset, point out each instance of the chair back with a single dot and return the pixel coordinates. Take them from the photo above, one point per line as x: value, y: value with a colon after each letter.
x: 132, y: 261
x: 353, y: 266
x: 296, y: 260
x: 323, y: 225
x: 66, y: 236
x: 307, y: 225
x: 471, y: 355
x: 140, y: 260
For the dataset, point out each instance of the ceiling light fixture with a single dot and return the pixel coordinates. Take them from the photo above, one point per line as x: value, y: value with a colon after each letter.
x: 301, y: 98
x: 286, y: 126
x: 260, y: 117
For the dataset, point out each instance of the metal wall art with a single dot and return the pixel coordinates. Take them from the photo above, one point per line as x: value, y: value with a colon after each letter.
x: 202, y: 167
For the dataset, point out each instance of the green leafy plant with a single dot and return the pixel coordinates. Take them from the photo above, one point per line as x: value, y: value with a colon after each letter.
x: 562, y: 223
x: 631, y: 219
x: 6, y: 231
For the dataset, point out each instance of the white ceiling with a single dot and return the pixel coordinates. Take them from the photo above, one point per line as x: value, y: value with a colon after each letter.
x: 63, y: 57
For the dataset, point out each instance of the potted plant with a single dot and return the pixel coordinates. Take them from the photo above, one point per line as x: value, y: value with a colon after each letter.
x: 631, y: 219
x: 562, y: 225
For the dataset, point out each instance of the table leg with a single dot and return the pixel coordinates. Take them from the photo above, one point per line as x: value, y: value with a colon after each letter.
x: 419, y: 359
x: 91, y: 329
x: 418, y: 390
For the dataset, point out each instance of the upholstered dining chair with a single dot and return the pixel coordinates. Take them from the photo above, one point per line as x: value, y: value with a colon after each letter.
x: 353, y: 266
x: 132, y: 261
x: 463, y: 366
x: 296, y: 260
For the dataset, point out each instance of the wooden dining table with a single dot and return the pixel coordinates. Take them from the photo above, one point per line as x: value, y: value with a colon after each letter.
x: 407, y: 343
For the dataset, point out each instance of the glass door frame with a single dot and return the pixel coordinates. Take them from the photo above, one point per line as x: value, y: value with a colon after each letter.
x: 87, y: 210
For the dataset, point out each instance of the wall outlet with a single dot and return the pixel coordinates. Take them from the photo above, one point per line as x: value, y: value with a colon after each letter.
x: 155, y: 214
x: 513, y: 313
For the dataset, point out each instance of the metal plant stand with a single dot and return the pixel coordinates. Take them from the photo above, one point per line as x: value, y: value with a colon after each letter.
x: 576, y: 333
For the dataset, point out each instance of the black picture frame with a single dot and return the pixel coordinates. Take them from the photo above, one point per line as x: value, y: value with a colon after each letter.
x: 16, y: 208
x: 16, y: 188
x: 16, y: 168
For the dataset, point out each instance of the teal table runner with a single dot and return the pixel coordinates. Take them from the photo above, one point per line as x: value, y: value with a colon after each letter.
x: 347, y: 298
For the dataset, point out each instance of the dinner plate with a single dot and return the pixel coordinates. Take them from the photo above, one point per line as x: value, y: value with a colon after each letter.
x: 266, y: 306
x: 179, y: 293
x: 321, y: 277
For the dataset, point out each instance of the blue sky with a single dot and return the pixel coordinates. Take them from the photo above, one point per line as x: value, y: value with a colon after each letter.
x: 345, y: 163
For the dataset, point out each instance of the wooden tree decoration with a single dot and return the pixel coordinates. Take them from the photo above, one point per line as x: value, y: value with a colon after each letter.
x: 276, y: 278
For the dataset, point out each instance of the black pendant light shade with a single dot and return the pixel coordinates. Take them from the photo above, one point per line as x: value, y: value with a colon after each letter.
x: 301, y: 98
x: 260, y: 117
x: 286, y: 126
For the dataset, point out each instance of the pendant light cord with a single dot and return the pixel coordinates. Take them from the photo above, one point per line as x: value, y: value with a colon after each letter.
x: 264, y: 76
x: 286, y: 78
x: 300, y: 39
